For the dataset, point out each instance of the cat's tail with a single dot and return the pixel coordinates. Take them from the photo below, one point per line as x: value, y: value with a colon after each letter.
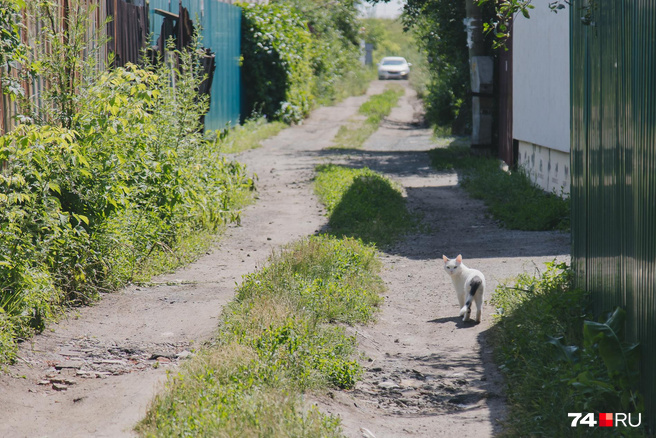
x: 474, y: 285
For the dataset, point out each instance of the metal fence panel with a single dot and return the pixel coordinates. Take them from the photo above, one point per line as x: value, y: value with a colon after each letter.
x: 613, y: 195
x: 221, y: 32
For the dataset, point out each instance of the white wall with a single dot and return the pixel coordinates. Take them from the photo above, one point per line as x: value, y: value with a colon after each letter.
x: 541, y: 102
x: 548, y: 168
x: 541, y: 78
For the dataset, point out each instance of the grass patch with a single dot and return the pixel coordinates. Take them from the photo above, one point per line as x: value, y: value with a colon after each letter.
x: 248, y: 136
x: 511, y: 197
x: 364, y: 204
x: 352, y: 83
x: 275, y: 341
x: 376, y: 108
x: 553, y: 365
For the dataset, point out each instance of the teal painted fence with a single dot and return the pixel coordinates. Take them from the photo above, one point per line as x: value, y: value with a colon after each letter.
x: 221, y: 32
x: 613, y: 193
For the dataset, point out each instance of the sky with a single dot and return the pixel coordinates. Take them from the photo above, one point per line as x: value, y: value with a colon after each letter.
x: 382, y: 10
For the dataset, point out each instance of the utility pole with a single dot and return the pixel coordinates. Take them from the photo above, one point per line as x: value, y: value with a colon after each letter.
x: 481, y: 68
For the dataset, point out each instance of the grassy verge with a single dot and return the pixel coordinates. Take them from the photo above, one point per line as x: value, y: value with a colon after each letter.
x: 511, y: 197
x: 352, y: 83
x: 556, y: 362
x: 249, y: 135
x: 364, y: 204
x: 378, y: 106
x: 275, y: 342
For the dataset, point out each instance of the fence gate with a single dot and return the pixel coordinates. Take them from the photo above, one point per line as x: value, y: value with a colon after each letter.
x: 221, y: 32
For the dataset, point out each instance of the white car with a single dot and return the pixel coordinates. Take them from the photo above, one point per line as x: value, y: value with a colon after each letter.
x: 393, y: 67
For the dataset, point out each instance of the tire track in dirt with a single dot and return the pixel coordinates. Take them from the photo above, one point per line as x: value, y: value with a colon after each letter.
x: 428, y: 374
x: 101, y: 365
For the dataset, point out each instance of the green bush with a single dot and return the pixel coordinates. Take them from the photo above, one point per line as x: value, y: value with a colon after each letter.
x: 81, y: 208
x: 335, y: 30
x: 556, y: 360
x: 438, y: 26
x: 277, y: 51
x: 297, y: 54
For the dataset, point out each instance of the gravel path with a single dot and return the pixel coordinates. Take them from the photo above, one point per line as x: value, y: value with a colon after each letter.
x: 428, y: 375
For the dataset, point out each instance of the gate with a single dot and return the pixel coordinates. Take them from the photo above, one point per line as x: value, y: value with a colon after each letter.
x: 221, y: 32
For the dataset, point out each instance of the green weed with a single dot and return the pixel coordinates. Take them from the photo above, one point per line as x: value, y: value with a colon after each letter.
x: 554, y: 362
x: 511, y: 197
x: 364, y: 204
x: 274, y: 343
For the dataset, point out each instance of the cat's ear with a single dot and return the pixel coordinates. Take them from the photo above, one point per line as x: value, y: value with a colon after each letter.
x: 445, y: 258
x: 459, y: 259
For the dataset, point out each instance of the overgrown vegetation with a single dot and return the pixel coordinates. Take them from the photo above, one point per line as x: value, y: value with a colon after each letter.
x: 297, y: 54
x: 363, y: 204
x: 438, y: 25
x: 511, y: 197
x: 276, y: 342
x: 376, y: 108
x: 557, y: 360
x: 112, y: 170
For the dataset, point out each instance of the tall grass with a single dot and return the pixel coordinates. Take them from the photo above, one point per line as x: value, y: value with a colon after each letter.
x: 275, y: 342
x: 511, y: 197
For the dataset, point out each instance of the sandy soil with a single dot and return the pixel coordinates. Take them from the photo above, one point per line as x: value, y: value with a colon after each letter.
x: 427, y: 375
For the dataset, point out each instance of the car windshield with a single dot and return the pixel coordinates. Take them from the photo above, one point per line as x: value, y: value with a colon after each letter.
x: 392, y: 62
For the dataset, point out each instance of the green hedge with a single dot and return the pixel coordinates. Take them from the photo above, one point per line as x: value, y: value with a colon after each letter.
x: 276, y: 72
x: 297, y: 54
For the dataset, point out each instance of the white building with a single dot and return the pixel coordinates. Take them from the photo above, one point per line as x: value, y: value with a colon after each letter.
x: 541, y: 96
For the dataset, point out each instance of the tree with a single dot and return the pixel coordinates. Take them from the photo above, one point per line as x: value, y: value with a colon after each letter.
x: 507, y: 9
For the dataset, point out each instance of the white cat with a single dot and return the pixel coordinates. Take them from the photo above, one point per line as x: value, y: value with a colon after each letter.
x: 469, y: 284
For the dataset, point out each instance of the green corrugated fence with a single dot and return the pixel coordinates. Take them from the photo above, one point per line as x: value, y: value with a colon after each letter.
x: 613, y: 192
x: 221, y: 32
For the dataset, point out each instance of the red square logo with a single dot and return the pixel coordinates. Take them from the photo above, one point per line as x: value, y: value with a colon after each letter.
x: 605, y: 420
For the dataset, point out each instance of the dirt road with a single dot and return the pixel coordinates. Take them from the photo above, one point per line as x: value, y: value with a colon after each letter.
x: 427, y: 374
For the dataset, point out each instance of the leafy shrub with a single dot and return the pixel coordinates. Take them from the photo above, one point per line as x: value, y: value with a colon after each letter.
x: 438, y: 25
x: 276, y: 50
x: 335, y: 30
x: 273, y: 344
x: 297, y: 54
x: 82, y: 207
x: 556, y: 361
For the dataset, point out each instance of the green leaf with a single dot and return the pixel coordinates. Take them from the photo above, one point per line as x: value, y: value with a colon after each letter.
x: 568, y: 353
x: 54, y: 187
